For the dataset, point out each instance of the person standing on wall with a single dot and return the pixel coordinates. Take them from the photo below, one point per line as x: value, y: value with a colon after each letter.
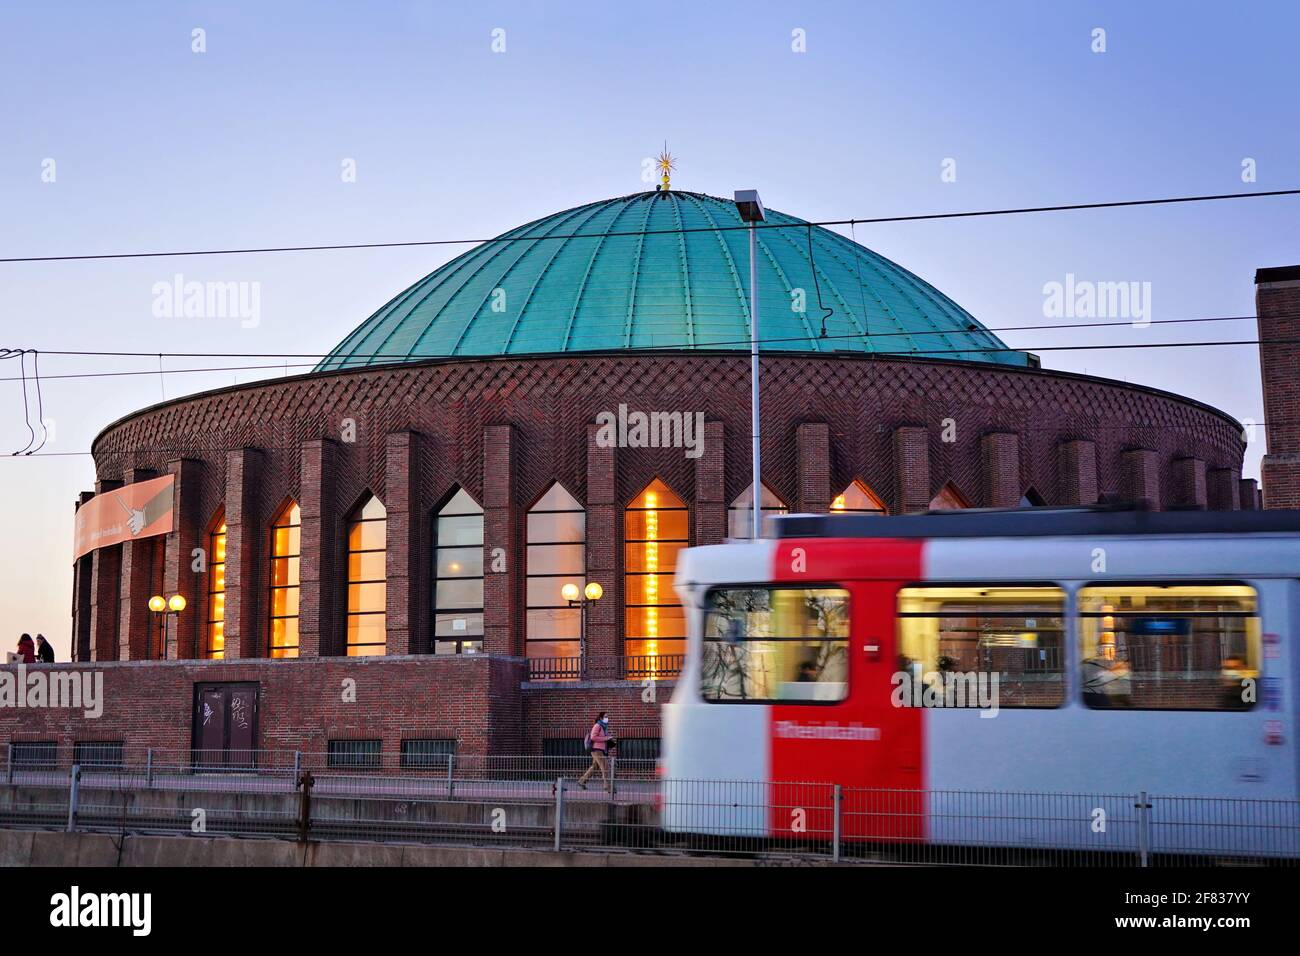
x: 598, y: 742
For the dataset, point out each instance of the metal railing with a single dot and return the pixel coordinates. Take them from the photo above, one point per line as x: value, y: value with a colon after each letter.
x: 631, y: 667
x: 537, y: 802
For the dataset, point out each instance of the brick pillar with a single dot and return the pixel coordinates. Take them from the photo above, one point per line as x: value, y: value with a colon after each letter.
x: 1277, y: 305
x: 1189, y: 490
x: 1078, y: 470
x: 814, y: 449
x: 1000, y: 457
x: 105, y: 593
x: 710, y: 488
x: 911, y: 470
x: 247, y: 533
x: 1248, y: 494
x: 1140, y: 477
x: 139, y: 634
x: 604, y: 542
x: 320, y: 616
x: 1221, y: 488
x: 403, y: 564
x: 502, y: 633
x: 83, y: 579
x: 183, y: 629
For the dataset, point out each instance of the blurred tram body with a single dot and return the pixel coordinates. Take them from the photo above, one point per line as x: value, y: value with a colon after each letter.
x: 1134, y: 652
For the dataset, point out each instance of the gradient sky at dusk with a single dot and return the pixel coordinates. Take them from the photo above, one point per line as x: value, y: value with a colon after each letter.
x: 158, y: 148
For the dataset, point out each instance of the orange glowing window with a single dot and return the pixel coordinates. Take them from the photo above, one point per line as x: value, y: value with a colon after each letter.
x: 286, y: 539
x: 367, y: 580
x: 215, y: 647
x: 949, y: 499
x: 857, y: 498
x: 655, y: 529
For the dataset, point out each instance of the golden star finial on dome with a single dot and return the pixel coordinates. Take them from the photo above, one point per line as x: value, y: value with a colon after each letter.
x: 665, y: 164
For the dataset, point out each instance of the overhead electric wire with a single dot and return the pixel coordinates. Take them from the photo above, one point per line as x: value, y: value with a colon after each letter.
x: 1008, y: 211
x: 702, y: 349
x: 103, y: 353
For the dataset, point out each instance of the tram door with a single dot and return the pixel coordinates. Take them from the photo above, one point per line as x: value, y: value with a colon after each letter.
x: 863, y: 742
x: 225, y: 726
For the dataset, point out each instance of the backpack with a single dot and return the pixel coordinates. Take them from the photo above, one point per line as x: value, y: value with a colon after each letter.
x: 586, y: 742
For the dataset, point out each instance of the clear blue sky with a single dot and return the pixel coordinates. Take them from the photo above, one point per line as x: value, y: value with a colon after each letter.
x: 157, y: 147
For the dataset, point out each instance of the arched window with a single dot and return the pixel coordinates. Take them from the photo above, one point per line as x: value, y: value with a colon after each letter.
x: 367, y: 551
x: 286, y: 540
x: 740, y: 516
x: 458, y: 576
x: 655, y: 529
x: 949, y: 499
x: 557, y: 555
x: 215, y: 638
x: 857, y: 498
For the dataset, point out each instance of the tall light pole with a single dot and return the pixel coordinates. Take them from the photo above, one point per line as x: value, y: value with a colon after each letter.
x: 751, y: 211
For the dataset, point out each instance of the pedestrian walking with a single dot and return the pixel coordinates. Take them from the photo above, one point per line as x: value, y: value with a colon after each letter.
x: 599, y: 741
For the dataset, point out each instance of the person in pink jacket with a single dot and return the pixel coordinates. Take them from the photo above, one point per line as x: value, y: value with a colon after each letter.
x: 601, y: 742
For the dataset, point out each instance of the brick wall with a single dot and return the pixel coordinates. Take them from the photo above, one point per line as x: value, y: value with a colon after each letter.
x: 1277, y: 305
x: 505, y: 429
x: 301, y: 705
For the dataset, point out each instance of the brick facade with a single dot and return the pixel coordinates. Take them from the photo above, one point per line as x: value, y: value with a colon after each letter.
x: 504, y: 429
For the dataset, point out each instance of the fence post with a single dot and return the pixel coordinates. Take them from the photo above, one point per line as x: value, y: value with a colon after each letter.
x: 559, y: 810
x: 1143, y: 821
x: 297, y: 764
x: 148, y: 769
x: 451, y: 775
x: 9, y: 762
x: 305, y: 782
x: 838, y: 803
x: 74, y: 796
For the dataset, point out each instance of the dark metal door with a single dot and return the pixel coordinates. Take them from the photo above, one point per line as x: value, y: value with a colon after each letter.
x: 225, y: 726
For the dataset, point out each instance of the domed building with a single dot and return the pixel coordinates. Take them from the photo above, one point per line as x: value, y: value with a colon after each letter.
x: 563, y: 405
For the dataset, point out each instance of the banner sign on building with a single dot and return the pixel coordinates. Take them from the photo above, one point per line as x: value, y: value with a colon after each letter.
x: 139, y: 510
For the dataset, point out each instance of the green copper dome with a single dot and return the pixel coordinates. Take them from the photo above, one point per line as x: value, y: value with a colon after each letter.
x: 618, y: 274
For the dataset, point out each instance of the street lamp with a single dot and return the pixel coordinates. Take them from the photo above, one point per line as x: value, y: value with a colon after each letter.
x: 751, y: 211
x: 592, y: 593
x: 162, y: 607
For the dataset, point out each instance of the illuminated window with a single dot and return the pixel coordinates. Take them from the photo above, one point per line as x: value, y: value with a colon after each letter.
x: 216, y: 637
x: 951, y: 640
x: 286, y: 540
x: 655, y: 529
x: 740, y: 516
x: 857, y: 498
x: 776, y: 644
x: 458, y: 576
x: 557, y: 555
x: 949, y: 499
x: 1170, y: 647
x: 367, y: 539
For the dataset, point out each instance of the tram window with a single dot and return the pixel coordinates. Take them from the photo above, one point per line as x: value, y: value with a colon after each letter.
x: 1169, y: 647
x: 952, y: 640
x: 776, y: 644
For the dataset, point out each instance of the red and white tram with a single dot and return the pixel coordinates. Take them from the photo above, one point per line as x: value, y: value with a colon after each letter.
x: 1046, y: 650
